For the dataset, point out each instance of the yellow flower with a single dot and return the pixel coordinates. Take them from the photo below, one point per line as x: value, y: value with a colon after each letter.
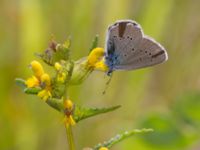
x: 95, y: 56
x: 103, y: 148
x: 96, y: 60
x: 45, y: 78
x: 58, y: 66
x: 69, y: 120
x: 32, y: 82
x: 61, y: 77
x: 37, y: 69
x: 68, y: 104
x: 44, y: 94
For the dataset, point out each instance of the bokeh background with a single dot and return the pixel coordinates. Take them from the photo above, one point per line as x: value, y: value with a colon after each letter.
x: 165, y: 97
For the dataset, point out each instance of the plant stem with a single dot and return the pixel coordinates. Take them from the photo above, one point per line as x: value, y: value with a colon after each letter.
x: 70, y: 137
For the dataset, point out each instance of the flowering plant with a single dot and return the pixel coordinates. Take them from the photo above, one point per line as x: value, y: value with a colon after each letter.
x: 52, y: 89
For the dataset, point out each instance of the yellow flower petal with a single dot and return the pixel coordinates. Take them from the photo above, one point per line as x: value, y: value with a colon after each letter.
x: 32, y: 82
x: 37, y: 69
x: 95, y: 56
x: 101, y: 66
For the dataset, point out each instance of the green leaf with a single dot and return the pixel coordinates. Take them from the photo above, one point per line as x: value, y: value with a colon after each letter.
x: 80, y: 72
x: 20, y: 82
x: 32, y: 90
x: 119, y: 137
x: 56, y: 104
x: 81, y: 113
x: 94, y: 42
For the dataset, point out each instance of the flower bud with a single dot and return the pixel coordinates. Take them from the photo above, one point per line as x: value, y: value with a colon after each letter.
x: 37, y: 69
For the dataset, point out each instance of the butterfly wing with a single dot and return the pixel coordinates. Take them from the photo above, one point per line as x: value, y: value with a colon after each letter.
x: 128, y: 49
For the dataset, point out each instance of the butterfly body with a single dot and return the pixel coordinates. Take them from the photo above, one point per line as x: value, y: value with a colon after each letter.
x: 127, y: 48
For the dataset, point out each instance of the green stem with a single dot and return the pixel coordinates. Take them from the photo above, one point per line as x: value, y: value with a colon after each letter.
x: 70, y: 137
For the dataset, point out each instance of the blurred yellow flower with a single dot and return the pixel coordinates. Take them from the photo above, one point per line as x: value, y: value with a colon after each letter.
x: 103, y: 148
x: 32, y: 82
x: 58, y: 66
x: 61, y: 77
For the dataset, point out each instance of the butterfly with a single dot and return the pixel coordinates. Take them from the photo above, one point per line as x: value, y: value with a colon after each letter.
x: 127, y: 48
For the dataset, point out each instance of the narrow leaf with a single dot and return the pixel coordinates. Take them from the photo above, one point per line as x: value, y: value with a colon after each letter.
x: 83, y: 113
x: 119, y: 137
x: 32, y: 90
x: 94, y: 42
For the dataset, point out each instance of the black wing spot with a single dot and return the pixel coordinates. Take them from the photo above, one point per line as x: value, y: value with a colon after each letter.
x: 131, y: 38
x: 132, y: 49
x: 125, y: 55
x: 145, y: 51
x: 158, y: 54
x: 149, y: 53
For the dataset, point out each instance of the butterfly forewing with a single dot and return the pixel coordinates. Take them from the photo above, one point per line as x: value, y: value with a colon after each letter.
x: 130, y: 49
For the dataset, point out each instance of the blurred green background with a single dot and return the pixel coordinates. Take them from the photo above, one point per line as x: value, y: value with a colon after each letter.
x: 165, y: 97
